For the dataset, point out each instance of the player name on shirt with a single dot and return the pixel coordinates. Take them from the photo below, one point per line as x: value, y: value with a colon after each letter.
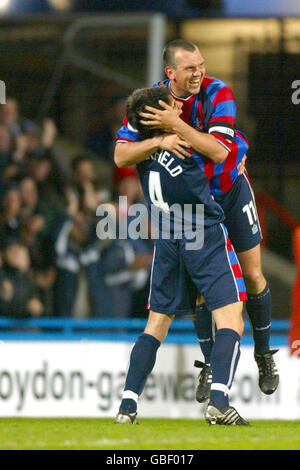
x: 164, y: 158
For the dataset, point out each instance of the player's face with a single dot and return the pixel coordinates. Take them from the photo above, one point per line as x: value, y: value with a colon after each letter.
x: 188, y: 74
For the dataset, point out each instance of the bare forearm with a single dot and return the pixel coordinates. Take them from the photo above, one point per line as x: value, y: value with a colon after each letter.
x: 168, y: 120
x: 130, y: 153
x: 203, y: 143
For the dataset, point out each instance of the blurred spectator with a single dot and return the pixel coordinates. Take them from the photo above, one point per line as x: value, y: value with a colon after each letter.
x: 106, y: 265
x: 84, y: 174
x: 12, y: 156
x: 102, y: 143
x: 76, y: 249
x: 37, y: 216
x: 140, y: 283
x: 50, y: 180
x: 36, y: 140
x: 10, y: 116
x: 10, y: 218
x: 86, y: 192
x: 16, y: 161
x: 17, y: 153
x: 30, y: 142
x: 32, y: 139
x: 48, y: 224
x: 38, y: 221
x: 76, y: 246
x: 18, y: 290
x: 5, y: 142
x: 128, y: 185
x: 5, y: 151
x: 49, y: 133
x: 115, y: 270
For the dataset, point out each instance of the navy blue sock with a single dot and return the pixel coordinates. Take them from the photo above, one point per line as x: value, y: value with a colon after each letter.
x: 142, y: 360
x: 259, y: 309
x: 224, y: 359
x: 203, y: 324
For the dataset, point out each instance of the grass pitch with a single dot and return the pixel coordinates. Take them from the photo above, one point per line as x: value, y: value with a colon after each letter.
x: 151, y: 434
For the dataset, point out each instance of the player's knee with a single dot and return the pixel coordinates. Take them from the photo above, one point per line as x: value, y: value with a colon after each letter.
x: 238, y: 326
x: 158, y: 325
x: 253, y: 278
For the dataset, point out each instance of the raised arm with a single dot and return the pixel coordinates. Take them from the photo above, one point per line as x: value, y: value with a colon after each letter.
x: 169, y: 121
x: 131, y: 153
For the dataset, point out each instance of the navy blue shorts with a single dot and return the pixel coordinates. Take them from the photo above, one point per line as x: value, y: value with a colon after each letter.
x: 177, y: 274
x: 241, y: 219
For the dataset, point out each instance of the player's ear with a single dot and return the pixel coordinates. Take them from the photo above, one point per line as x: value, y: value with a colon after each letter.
x: 169, y: 71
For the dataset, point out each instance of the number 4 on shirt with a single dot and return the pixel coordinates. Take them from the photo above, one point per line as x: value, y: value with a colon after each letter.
x: 155, y: 192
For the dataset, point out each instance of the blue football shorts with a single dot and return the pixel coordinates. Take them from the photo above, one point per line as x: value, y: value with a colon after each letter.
x: 177, y: 274
x: 241, y: 219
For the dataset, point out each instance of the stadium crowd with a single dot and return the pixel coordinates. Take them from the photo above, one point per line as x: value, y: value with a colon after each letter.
x: 49, y: 245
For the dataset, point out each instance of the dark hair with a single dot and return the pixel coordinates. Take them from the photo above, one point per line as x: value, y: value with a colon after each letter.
x: 12, y: 241
x: 172, y: 47
x: 81, y: 158
x: 137, y: 102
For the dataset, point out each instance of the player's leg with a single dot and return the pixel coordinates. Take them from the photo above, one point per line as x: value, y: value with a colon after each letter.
x: 225, y: 352
x: 217, y: 275
x: 244, y: 231
x: 204, y: 323
x: 142, y: 360
x: 224, y: 360
x: 259, y: 310
x: 259, y: 298
x: 205, y: 330
x: 245, y: 234
x: 204, y: 326
x: 168, y: 294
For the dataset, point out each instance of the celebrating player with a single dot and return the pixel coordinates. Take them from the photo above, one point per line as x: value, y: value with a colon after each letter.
x: 207, y: 122
x: 170, y: 175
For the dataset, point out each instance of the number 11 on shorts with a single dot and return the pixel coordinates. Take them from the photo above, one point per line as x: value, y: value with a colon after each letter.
x: 251, y: 212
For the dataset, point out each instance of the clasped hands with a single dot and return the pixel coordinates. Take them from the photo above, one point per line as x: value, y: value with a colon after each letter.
x: 166, y: 119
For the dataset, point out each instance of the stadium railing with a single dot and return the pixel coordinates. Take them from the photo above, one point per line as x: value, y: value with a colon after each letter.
x: 116, y: 329
x: 268, y: 204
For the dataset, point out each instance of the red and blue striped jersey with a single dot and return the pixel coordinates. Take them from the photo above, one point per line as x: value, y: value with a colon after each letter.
x: 213, y: 111
x: 222, y: 176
